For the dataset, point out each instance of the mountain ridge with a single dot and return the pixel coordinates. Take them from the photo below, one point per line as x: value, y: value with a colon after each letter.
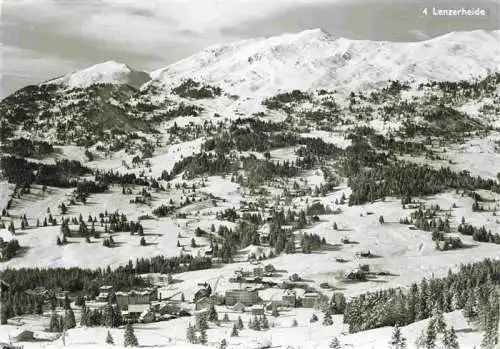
x: 310, y: 59
x: 314, y: 59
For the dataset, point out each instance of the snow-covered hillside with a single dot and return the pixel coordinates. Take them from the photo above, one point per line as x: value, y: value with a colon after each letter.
x: 109, y: 72
x: 316, y: 59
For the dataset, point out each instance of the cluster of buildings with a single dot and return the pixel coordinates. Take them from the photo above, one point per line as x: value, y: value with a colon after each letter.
x: 135, y: 305
x: 258, y: 298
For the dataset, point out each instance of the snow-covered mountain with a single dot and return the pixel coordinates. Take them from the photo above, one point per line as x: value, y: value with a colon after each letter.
x: 110, y: 72
x: 316, y: 59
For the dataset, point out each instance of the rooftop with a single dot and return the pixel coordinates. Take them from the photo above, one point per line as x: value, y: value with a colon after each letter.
x: 138, y: 308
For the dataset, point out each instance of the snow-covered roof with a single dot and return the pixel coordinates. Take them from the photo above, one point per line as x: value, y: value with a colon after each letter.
x: 271, y: 294
x: 311, y: 294
x: 133, y: 292
x: 138, y: 308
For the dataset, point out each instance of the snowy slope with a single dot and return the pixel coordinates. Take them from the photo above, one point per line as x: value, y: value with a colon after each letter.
x: 5, y: 193
x: 316, y: 59
x: 110, y: 72
x: 171, y: 334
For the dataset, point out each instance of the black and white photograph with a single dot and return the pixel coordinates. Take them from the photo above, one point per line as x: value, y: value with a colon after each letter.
x: 250, y: 174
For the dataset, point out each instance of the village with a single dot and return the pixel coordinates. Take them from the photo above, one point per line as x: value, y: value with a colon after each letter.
x: 256, y: 291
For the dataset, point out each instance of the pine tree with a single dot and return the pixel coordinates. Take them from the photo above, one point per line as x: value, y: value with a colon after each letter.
x: 450, y: 340
x: 67, y: 304
x: 335, y: 344
x: 275, y: 311
x: 240, y: 323
x: 397, y: 340
x: 223, y: 344
x: 108, y: 315
x: 212, y: 314
x: 439, y: 323
x: 84, y: 318
x: 430, y: 336
x: 201, y: 321
x: 191, y: 334
x: 265, y: 322
x: 490, y: 335
x: 54, y: 323
x: 129, y: 338
x: 109, y: 339
x: 256, y: 325
x: 295, y: 323
x: 225, y: 318
x: 327, y: 319
x: 69, y: 319
x: 470, y: 308
x: 203, y: 336
x: 234, y: 332
x: 11, y: 228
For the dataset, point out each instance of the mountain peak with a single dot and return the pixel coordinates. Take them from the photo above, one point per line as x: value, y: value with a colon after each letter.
x: 110, y: 72
x: 314, y: 59
x: 317, y: 33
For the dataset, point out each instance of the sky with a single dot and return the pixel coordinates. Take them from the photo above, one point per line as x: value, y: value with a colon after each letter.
x: 42, y: 39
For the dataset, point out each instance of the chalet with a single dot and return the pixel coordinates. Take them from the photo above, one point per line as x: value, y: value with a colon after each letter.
x: 269, y: 268
x: 364, y: 254
x: 204, y: 291
x: 147, y: 317
x: 264, y: 233
x: 257, y: 309
x: 124, y: 299
x: 355, y: 274
x: 239, y: 307
x: 171, y: 308
x: 247, y: 297
x: 10, y: 346
x: 104, y: 293
x: 23, y: 336
x: 279, y: 298
x: 338, y: 298
x: 158, y: 278
x: 203, y: 303
x: 310, y: 299
x: 241, y: 273
x: 61, y: 297
x: 135, y: 311
x: 289, y: 299
x: 258, y: 272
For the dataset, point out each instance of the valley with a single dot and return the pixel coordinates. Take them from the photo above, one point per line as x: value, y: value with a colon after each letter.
x: 269, y: 182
